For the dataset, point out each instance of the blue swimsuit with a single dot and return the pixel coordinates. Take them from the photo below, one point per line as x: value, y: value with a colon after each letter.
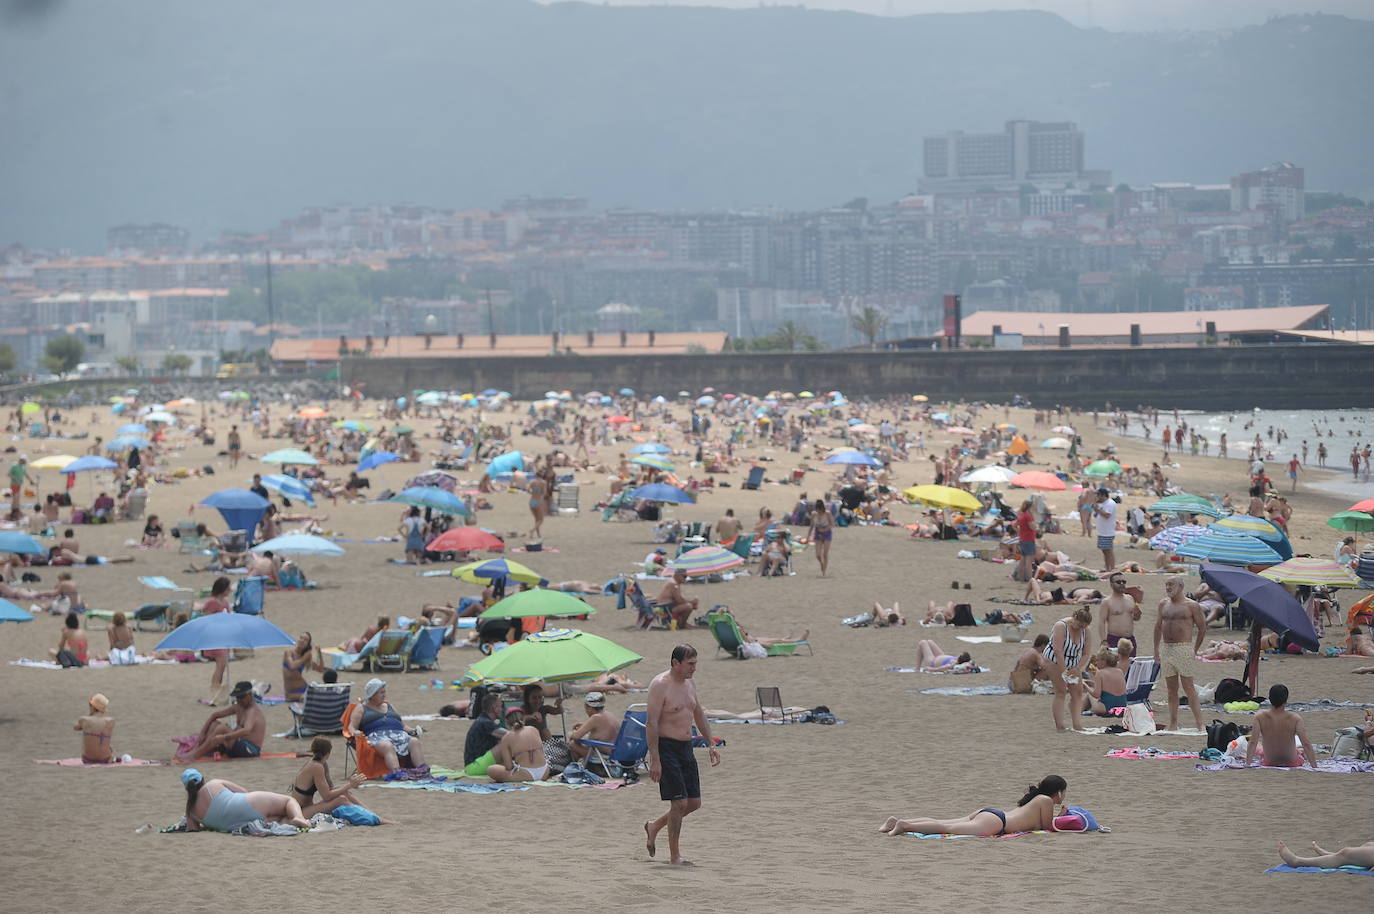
x: 229, y: 809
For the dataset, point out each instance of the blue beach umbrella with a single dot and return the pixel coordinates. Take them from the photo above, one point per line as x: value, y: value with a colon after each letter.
x: 651, y: 447
x: 508, y: 462
x: 133, y: 428
x: 289, y: 455
x: 20, y: 543
x: 1226, y: 547
x: 11, y: 613
x: 1269, y: 605
x: 376, y: 459
x: 82, y: 464
x: 300, y: 544
x: 1260, y: 528
x: 127, y: 443
x: 431, y: 497
x: 659, y: 491
x: 219, y: 631
x: 857, y: 458
x: 289, y: 486
x: 118, y: 408
x: 627, y: 391
x: 240, y: 508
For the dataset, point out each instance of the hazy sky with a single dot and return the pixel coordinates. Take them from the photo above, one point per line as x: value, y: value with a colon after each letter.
x: 1115, y: 15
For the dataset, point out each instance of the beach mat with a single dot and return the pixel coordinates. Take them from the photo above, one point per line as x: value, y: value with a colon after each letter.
x: 1352, y: 870
x: 912, y: 669
x: 987, y: 639
x: 1324, y: 766
x: 964, y: 690
x: 79, y: 763
x: 1321, y: 704
x: 146, y: 660
x: 1135, y: 752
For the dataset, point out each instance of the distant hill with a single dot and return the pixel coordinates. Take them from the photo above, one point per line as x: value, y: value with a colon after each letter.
x: 233, y: 115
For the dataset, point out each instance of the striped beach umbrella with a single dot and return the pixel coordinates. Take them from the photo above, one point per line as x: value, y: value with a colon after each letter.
x: 704, y: 560
x: 653, y: 461
x: 1184, y: 503
x: 1227, y: 547
x: 488, y: 570
x: 1257, y: 527
x: 651, y: 447
x: 288, y: 486
x: 1171, y: 538
x: 1313, y: 572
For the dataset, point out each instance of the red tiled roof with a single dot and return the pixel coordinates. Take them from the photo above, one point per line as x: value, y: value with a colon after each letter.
x: 1152, y: 323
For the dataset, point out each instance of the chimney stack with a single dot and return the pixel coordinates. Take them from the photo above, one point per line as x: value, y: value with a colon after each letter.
x: 493, y: 340
x: 591, y: 338
x: 1063, y: 336
x: 460, y: 341
x: 652, y: 334
x: 624, y: 337
x: 1135, y: 335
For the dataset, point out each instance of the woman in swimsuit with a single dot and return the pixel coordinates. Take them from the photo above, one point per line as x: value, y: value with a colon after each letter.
x: 1107, y: 689
x: 381, y: 725
x: 224, y: 805
x: 153, y: 534
x: 821, y: 532
x: 933, y: 657
x: 1035, y: 811
x: 1065, y: 659
x: 73, y: 640
x: 297, y: 658
x: 122, y: 651
x: 314, y: 778
x: 217, y: 602
x: 96, y: 729
x: 520, y: 754
x: 535, y: 711
x: 537, y: 489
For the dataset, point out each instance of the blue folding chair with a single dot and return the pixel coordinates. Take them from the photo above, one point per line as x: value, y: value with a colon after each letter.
x: 424, y: 653
x: 622, y: 758
x: 755, y: 478
x: 248, y: 595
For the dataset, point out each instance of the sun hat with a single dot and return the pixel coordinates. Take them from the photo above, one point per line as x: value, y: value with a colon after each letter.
x: 373, y: 687
x: 191, y: 776
x: 99, y: 702
x: 595, y: 700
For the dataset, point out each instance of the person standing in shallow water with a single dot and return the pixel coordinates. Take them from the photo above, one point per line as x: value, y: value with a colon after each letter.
x: 673, y: 707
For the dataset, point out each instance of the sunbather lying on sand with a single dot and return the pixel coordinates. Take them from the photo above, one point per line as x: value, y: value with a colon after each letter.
x: 932, y: 657
x: 1360, y: 855
x: 1035, y: 811
x: 1224, y: 650
x: 1034, y: 593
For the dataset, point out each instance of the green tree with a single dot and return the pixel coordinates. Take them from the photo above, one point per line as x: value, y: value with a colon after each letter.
x: 869, y: 323
x: 8, y: 360
x: 176, y: 362
x: 63, y: 353
x: 128, y: 364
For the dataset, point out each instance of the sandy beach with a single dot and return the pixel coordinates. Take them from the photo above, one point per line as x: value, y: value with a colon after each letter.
x: 789, y: 818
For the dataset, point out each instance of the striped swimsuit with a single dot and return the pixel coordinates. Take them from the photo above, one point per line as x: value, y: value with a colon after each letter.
x: 1073, y: 649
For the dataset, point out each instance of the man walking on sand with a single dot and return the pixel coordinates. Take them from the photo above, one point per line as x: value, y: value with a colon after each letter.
x: 1105, y: 512
x: 673, y: 707
x: 1179, y: 631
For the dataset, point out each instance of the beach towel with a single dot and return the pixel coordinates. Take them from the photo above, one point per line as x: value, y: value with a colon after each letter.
x: 449, y: 786
x: 912, y: 669
x: 1136, y: 752
x: 1352, y: 870
x: 79, y: 763
x: 964, y: 690
x: 985, y: 639
x: 1321, y: 704
x: 1098, y: 731
x: 1324, y: 766
x: 93, y: 665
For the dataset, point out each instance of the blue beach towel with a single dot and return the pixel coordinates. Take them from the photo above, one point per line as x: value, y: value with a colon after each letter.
x: 965, y: 690
x: 1352, y: 870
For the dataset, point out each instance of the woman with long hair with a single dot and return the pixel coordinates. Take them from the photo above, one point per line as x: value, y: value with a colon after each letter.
x: 294, y: 662
x: 313, y: 779
x: 1035, y: 811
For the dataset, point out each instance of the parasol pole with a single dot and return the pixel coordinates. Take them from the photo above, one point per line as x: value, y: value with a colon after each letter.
x: 1252, y: 659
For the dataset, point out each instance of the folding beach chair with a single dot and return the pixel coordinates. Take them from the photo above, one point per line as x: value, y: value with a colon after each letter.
x: 569, y: 501
x: 742, y: 545
x: 189, y: 539
x: 393, y: 647
x: 769, y: 699
x: 754, y: 479
x: 248, y: 595
x: 359, y: 752
x: 1141, y: 679
x: 649, y: 613
x: 621, y: 758
x: 318, y: 713
x: 424, y: 653
x: 134, y: 506
x: 728, y: 637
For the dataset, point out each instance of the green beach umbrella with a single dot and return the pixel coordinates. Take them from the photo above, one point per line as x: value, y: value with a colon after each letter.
x: 1184, y: 503
x: 1102, y: 468
x: 30, y: 407
x: 554, y: 656
x: 1352, y: 521
x: 537, y: 603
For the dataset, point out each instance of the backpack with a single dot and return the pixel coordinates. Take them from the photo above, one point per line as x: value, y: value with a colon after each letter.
x: 1220, y: 733
x: 963, y: 615
x: 1231, y: 690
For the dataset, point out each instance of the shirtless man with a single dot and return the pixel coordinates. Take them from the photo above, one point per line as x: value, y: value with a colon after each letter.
x: 1030, y: 665
x: 727, y: 528
x: 265, y: 564
x: 1120, y: 612
x: 244, y: 740
x: 599, y: 726
x: 1179, y: 631
x: 95, y: 729
x: 673, y: 707
x: 1275, y: 729
x: 679, y: 607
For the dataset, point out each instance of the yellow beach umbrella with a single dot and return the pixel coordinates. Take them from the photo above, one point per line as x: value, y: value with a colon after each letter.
x: 1314, y: 572
x: 943, y: 497
x: 921, y: 398
x: 53, y: 462
x: 30, y: 407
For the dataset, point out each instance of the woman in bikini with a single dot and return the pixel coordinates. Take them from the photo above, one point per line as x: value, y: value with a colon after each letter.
x: 932, y: 657
x: 96, y: 729
x: 73, y: 641
x: 294, y: 662
x: 821, y: 532
x: 1035, y: 811
x: 537, y: 490
x: 1065, y: 659
x: 313, y: 778
x: 121, y: 635
x: 217, y: 602
x: 520, y: 754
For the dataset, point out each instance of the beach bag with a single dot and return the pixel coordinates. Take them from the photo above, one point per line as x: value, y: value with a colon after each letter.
x: 1220, y: 733
x: 1231, y: 690
x: 1138, y: 719
x: 356, y: 815
x: 557, y: 753
x: 1348, y: 743
x: 963, y: 615
x: 67, y: 659
x: 752, y: 650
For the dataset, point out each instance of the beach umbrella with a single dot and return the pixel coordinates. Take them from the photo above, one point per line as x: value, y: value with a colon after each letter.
x: 289, y: 456
x: 653, y: 461
x: 1038, y: 479
x: 863, y: 428
x: 627, y: 391
x: 376, y: 459
x: 315, y: 412
x: 11, y: 613
x: 1171, y: 538
x: 1226, y: 547
x: 20, y: 543
x: 1259, y: 528
x: 960, y: 430
x: 553, y: 656
x: 300, y: 544
x: 994, y: 473
x: 183, y: 401
x: 1056, y: 444
x: 619, y: 420
x: 437, y: 478
x: 488, y: 570
x: 29, y: 408
x: 465, y: 539
x: 1366, y: 506
x: 707, y: 400
x: 218, y: 631
x: 853, y: 458
x: 132, y: 428
x: 162, y: 417
x: 82, y: 464
x: 431, y: 497
x: 508, y: 462
x: 289, y: 486
x: 1352, y: 521
x: 119, y: 408
x: 351, y: 425
x: 1064, y: 430
x: 651, y: 447
x: 1268, y: 605
x: 1184, y: 504
x: 240, y: 508
x: 943, y: 497
x: 53, y: 462
x: 430, y: 398
x: 920, y: 398
x: 660, y: 491
x: 127, y: 443
x: 704, y: 560
x: 1102, y: 468
x: 1313, y: 572
x: 538, y: 602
